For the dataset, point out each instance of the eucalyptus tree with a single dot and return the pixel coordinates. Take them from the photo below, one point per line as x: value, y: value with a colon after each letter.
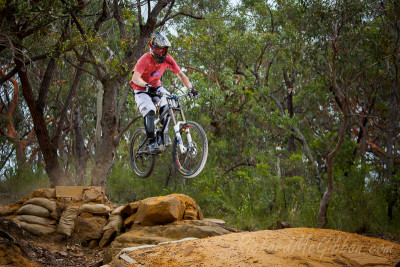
x: 26, y: 30
x: 80, y: 34
x: 344, y: 55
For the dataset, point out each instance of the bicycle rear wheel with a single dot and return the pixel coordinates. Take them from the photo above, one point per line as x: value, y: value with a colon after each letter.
x: 142, y: 162
x: 191, y: 162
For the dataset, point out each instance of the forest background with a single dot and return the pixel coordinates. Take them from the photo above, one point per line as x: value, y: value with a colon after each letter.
x: 299, y: 100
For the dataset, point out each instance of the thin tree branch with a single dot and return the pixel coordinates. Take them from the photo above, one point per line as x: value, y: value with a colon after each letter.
x: 102, y: 18
x: 77, y: 67
x: 83, y: 34
x: 178, y: 14
x: 128, y: 126
x: 15, y: 69
x: 139, y: 14
x: 67, y: 104
x: 247, y: 162
x: 118, y: 18
x: 164, y: 20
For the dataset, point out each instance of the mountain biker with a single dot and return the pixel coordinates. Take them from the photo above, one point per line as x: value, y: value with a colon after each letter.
x: 146, y: 78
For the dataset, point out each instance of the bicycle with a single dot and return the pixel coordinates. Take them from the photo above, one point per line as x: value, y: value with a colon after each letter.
x: 189, y: 148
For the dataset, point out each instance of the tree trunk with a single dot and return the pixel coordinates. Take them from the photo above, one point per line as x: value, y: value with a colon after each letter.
x: 289, y: 82
x: 52, y: 167
x: 100, y: 93
x: 80, y: 154
x: 291, y: 145
x: 390, y: 163
x: 342, y: 103
x: 21, y: 156
x: 323, y: 209
x: 107, y: 149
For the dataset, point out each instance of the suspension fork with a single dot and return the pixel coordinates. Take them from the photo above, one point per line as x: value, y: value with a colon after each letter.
x: 177, y: 126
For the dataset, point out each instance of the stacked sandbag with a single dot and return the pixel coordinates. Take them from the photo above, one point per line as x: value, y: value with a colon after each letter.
x: 66, y: 224
x: 38, y: 216
x: 113, y: 227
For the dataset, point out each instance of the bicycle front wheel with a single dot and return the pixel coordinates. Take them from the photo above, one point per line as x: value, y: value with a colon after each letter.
x: 191, y: 162
x: 142, y: 162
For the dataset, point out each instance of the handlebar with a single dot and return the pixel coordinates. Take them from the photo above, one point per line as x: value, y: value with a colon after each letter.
x: 176, y: 97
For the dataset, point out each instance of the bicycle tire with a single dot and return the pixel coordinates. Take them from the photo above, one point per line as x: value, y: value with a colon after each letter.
x: 193, y: 167
x: 143, y: 164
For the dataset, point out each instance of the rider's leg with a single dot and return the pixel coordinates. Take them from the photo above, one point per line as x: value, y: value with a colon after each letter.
x: 148, y: 111
x: 150, y: 132
x: 165, y: 126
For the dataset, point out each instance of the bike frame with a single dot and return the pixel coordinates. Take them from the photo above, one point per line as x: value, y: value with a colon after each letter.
x: 174, y: 105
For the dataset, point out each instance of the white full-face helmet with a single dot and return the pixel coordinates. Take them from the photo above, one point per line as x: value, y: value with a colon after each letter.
x: 159, y: 45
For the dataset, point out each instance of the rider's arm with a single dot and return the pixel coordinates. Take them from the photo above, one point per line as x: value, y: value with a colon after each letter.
x: 184, y: 79
x: 137, y: 79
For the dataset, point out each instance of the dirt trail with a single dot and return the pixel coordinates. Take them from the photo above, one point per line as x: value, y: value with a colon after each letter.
x: 287, y: 247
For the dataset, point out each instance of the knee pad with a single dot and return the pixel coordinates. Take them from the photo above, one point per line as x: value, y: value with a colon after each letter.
x: 149, y: 124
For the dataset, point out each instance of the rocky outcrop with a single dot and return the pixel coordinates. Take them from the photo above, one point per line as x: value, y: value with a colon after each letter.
x: 153, y: 235
x: 160, y: 210
x: 86, y: 216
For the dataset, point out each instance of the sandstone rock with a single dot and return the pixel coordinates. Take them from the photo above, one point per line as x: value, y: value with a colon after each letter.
x: 160, y: 210
x: 98, y: 209
x: 358, y: 259
x: 190, y: 215
x: 94, y: 194
x: 129, y: 221
x: 49, y: 193
x: 194, y: 228
x: 67, y: 221
x: 130, y: 208
x: 152, y: 235
x: 217, y: 221
x: 43, y: 202
x: 90, y: 228
x: 190, y: 205
x: 31, y: 209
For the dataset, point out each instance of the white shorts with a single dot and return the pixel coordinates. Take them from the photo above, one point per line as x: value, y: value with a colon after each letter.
x: 146, y: 103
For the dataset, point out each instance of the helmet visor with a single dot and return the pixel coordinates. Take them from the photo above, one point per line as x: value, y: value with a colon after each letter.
x: 162, y: 51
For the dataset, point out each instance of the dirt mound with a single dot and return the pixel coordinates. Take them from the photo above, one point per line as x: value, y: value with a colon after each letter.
x: 287, y: 247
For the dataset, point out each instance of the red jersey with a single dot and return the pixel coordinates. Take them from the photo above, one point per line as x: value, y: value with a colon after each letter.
x: 152, y: 71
